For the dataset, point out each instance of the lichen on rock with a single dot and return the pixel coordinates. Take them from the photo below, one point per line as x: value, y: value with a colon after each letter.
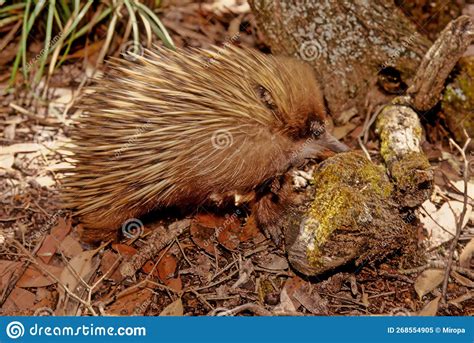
x: 401, y: 134
x: 349, y: 216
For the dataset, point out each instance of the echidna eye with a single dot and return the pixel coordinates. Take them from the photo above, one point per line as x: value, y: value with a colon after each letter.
x: 266, y: 97
x: 318, y: 128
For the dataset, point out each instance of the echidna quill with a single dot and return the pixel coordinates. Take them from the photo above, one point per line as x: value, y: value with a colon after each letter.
x: 177, y: 128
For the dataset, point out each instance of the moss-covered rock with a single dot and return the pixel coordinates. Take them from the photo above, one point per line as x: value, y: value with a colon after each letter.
x: 349, y: 216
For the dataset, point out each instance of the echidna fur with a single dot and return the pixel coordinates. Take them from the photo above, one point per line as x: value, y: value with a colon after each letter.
x: 171, y: 128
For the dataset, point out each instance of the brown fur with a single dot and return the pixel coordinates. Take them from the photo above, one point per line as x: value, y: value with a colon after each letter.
x: 145, y: 140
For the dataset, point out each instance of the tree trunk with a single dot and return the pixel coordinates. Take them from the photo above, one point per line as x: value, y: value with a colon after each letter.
x: 347, y: 42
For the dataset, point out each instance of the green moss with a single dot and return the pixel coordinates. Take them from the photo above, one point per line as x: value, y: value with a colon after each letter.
x: 403, y: 170
x: 352, y: 187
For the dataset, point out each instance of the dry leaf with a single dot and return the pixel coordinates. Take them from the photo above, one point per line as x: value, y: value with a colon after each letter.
x: 460, y: 187
x: 462, y: 280
x: 6, y: 161
x: 19, y: 300
x: 274, y: 262
x: 20, y: 147
x: 51, y: 243
x: 292, y: 286
x: 70, y: 247
x: 250, y: 230
x: 311, y: 300
x: 175, y: 283
x: 108, y: 260
x: 441, y: 224
x: 173, y: 309
x: 229, y: 233
x: 7, y: 268
x: 133, y: 304
x: 431, y: 308
x: 286, y: 304
x: 33, y: 277
x: 79, y: 265
x: 167, y: 267
x: 467, y: 254
x: 203, y: 237
x: 124, y: 250
x: 45, y: 181
x: 428, y: 281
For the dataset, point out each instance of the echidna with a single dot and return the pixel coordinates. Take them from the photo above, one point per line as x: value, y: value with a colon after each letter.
x: 175, y: 128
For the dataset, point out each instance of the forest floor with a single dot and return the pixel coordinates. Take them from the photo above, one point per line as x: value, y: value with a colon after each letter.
x: 46, y: 270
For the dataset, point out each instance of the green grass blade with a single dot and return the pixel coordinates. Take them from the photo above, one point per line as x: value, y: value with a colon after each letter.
x: 57, y: 18
x: 160, y: 29
x: 65, y: 8
x: 133, y: 17
x: 44, y: 53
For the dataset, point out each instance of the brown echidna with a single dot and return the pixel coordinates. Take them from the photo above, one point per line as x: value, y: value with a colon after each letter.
x: 175, y: 128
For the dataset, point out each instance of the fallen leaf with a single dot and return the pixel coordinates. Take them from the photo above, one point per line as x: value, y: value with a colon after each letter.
x: 286, y: 304
x: 203, y: 237
x: 107, y: 262
x: 79, y: 265
x: 431, y: 308
x: 311, y: 300
x: 173, y: 309
x: 19, y: 300
x: 250, y: 230
x: 428, y: 281
x: 462, y: 280
x: 209, y: 220
x: 229, y: 233
x: 467, y: 254
x: 460, y: 187
x: 7, y: 268
x: 124, y: 250
x: 167, y: 267
x: 45, y: 181
x: 342, y: 131
x: 441, y: 224
x: 133, y: 304
x: 175, y: 284
x: 292, y: 286
x: 33, y: 277
x: 6, y: 161
x: 20, y: 147
x: 53, y: 240
x: 70, y: 247
x: 274, y: 262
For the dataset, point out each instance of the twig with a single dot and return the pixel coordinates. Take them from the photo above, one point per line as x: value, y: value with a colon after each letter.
x: 460, y: 222
x: 32, y: 259
x: 18, y: 275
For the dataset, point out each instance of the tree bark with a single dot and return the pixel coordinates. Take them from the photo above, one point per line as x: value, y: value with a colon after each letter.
x: 347, y: 42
